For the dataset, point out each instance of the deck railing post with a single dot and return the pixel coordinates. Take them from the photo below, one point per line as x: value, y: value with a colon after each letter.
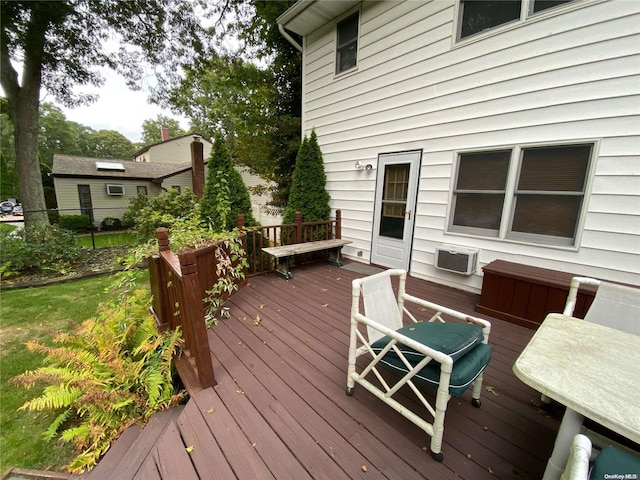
x: 298, y: 232
x: 194, y: 314
x: 338, y: 224
x: 162, y: 234
x: 161, y: 295
x: 157, y: 280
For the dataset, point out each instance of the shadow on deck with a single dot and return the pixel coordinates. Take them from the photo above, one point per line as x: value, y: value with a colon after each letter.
x: 280, y: 410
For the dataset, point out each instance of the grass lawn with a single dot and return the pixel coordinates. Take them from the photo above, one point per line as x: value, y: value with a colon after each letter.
x: 113, y: 239
x: 6, y: 229
x: 37, y: 314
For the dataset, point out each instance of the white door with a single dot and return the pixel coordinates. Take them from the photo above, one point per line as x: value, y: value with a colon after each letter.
x: 394, y: 211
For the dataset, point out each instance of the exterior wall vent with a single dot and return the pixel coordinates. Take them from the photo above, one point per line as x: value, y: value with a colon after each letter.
x: 456, y: 259
x: 113, y: 189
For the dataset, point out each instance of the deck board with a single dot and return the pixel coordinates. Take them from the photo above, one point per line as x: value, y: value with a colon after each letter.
x: 280, y: 410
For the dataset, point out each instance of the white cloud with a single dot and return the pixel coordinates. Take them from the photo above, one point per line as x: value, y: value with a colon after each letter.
x: 118, y: 108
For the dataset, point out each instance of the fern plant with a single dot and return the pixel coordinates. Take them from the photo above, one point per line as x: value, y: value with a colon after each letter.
x: 115, y: 370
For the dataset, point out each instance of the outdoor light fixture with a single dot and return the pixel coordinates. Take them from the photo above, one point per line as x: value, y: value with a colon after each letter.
x: 363, y: 166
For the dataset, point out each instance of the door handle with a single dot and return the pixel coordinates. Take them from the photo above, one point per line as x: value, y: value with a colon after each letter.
x: 408, y: 212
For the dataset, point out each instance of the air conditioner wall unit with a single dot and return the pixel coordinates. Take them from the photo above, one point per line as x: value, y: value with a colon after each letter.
x: 456, y: 259
x: 114, y: 189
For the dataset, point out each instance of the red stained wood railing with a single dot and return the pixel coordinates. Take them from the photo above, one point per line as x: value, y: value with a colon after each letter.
x: 286, y: 234
x: 179, y: 284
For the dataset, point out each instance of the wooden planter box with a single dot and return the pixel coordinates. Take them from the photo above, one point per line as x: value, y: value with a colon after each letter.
x: 524, y: 295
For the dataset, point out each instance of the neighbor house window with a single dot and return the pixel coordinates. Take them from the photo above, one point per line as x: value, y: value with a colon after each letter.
x: 347, y: 44
x: 142, y: 190
x: 176, y: 187
x: 476, y: 16
x: 541, y: 201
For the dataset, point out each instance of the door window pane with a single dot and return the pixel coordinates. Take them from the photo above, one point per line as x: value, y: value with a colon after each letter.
x: 394, y: 200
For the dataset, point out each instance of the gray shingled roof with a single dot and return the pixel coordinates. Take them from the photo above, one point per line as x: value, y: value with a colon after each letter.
x: 85, y: 167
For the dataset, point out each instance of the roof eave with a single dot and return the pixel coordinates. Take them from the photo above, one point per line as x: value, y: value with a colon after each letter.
x: 306, y: 16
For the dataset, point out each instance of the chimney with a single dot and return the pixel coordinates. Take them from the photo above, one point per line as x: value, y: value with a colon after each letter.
x: 197, y: 166
x: 164, y: 133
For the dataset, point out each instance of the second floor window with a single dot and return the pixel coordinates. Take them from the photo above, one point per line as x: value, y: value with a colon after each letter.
x: 479, y: 15
x: 347, y: 44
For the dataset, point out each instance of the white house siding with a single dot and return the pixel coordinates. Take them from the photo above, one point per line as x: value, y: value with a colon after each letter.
x: 183, y: 180
x: 104, y: 205
x: 172, y: 151
x: 568, y: 75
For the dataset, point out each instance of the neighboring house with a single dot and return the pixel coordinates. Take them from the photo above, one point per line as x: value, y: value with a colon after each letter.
x: 509, y: 128
x: 105, y: 187
x: 171, y: 150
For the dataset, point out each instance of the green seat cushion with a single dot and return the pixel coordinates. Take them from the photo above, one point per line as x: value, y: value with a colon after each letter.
x: 464, y: 371
x: 453, y: 339
x: 614, y: 463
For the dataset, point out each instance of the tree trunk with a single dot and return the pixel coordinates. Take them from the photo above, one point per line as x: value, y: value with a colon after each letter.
x: 27, y: 165
x: 24, y: 110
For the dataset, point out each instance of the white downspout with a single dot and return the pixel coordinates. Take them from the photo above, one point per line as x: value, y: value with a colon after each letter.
x: 289, y: 38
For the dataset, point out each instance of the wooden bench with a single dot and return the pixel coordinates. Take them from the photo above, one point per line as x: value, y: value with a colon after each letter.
x: 285, y: 253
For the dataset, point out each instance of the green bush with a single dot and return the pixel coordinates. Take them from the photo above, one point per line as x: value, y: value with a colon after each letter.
x: 114, y: 371
x: 225, y: 194
x: 161, y: 211
x: 54, y: 217
x: 308, y: 193
x: 111, y: 223
x: 48, y: 248
x: 136, y: 204
x: 75, y: 223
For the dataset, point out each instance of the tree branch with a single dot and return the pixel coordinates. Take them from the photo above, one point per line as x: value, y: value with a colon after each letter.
x: 8, y: 75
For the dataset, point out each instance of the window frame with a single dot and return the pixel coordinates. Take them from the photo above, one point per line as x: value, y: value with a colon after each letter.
x: 342, y: 20
x: 505, y: 231
x: 526, y: 14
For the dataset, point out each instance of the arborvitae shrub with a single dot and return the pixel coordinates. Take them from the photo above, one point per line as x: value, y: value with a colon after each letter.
x: 225, y: 195
x: 308, y: 193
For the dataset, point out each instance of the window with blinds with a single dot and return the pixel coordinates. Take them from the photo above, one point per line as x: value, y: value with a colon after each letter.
x: 550, y: 191
x: 544, y: 199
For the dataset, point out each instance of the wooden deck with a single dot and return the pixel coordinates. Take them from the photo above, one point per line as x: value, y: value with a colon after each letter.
x: 280, y: 410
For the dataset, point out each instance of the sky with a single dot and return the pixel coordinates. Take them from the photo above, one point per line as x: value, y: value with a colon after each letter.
x: 118, y: 108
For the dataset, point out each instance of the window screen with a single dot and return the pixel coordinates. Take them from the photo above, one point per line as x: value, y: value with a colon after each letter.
x: 480, y: 189
x: 550, y: 190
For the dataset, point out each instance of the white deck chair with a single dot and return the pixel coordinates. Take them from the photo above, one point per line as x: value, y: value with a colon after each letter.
x: 578, y: 464
x: 450, y: 357
x: 615, y: 306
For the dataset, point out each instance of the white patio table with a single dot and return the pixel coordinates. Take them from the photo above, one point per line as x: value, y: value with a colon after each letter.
x: 591, y: 369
